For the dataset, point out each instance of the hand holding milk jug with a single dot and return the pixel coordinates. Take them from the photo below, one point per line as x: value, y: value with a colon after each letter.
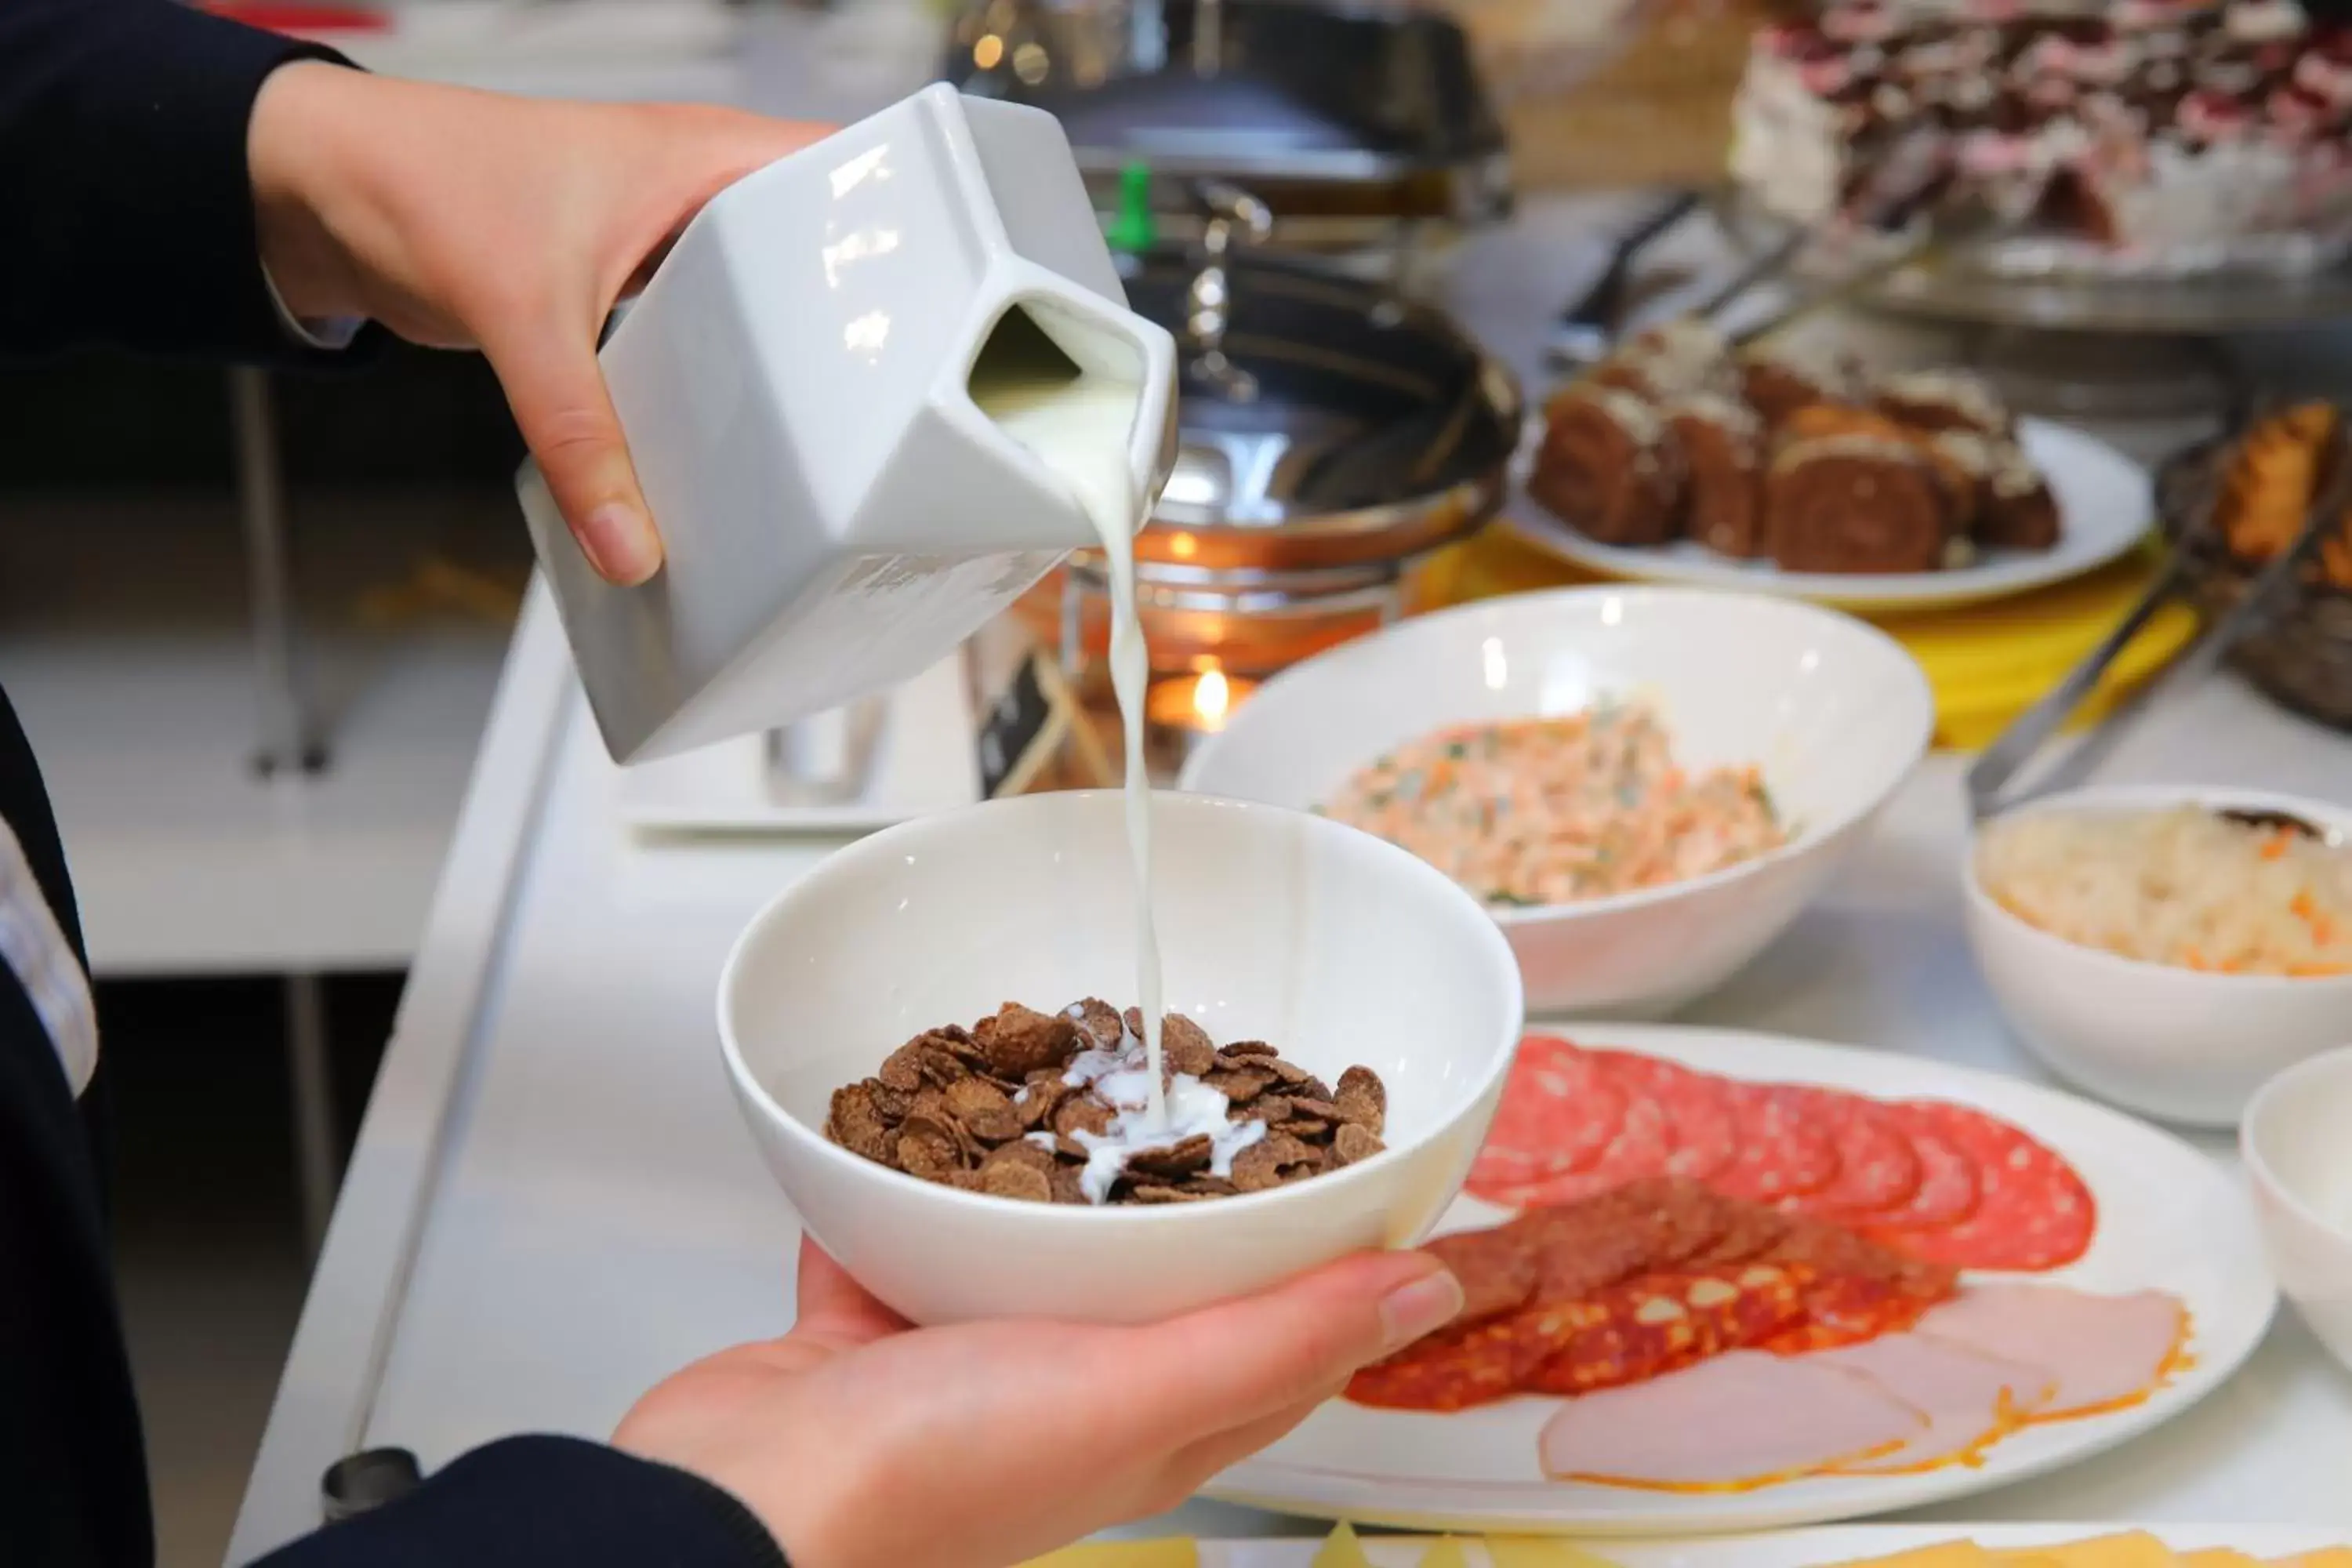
x: 867, y: 396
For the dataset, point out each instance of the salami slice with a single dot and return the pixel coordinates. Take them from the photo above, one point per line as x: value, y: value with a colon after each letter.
x: 1877, y: 1170
x: 1496, y: 1268
x: 2032, y: 1212
x: 1751, y: 1232
x: 1641, y: 1228
x: 1947, y: 1193
x: 1656, y: 1324
x: 1847, y: 1310
x: 1702, y: 1134
x: 1451, y: 1370
x: 1832, y: 1251
x: 1780, y: 1155
x: 1557, y: 1115
x: 1639, y: 1150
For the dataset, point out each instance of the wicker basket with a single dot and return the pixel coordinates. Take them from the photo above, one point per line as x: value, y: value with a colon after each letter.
x: 2301, y: 655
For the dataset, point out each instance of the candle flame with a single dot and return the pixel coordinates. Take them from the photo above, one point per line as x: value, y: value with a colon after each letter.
x: 1211, y: 696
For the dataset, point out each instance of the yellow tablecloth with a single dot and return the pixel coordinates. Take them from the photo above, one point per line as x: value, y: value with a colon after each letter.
x: 1986, y: 663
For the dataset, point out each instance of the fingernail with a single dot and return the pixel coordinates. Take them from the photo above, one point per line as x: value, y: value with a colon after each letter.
x: 1426, y: 1305
x: 620, y: 543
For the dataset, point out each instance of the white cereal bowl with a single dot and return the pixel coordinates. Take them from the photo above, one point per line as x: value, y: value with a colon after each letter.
x: 1834, y: 712
x: 1336, y: 948
x: 2300, y: 1162
x: 2181, y: 1045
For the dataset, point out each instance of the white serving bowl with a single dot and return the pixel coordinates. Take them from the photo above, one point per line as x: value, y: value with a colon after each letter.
x: 1274, y: 926
x: 2299, y: 1158
x: 2181, y: 1045
x: 1834, y: 712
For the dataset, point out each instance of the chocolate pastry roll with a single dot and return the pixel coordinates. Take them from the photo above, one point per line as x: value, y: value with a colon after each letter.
x: 1609, y: 468
x: 1857, y: 504
x: 1940, y: 400
x: 2018, y: 511
x: 1953, y: 466
x: 2011, y: 507
x: 1722, y: 446
x: 1778, y: 382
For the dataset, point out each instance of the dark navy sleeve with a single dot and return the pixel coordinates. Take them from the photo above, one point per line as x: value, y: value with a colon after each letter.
x: 125, y: 203
x: 547, y: 1502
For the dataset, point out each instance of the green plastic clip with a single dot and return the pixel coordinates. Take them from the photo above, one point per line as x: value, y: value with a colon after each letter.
x: 1134, y: 229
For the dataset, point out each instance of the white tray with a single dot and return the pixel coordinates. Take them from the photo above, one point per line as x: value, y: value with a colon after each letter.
x: 923, y: 762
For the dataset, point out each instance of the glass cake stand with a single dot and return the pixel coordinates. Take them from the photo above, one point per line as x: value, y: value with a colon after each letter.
x: 2085, y: 347
x: 1954, y: 290
x: 2184, y: 307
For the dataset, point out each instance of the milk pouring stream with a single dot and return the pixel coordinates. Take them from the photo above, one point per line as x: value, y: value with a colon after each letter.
x: 1081, y: 433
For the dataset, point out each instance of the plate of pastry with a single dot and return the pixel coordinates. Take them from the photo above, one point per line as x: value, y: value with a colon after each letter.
x: 1776, y: 471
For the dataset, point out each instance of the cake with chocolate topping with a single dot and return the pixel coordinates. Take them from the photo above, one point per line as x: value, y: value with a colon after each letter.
x: 2165, y: 135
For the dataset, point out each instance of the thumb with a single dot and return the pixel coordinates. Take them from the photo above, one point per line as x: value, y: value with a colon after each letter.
x: 1239, y: 1361
x: 556, y: 389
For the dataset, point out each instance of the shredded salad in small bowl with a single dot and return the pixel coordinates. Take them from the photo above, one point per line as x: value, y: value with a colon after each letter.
x: 2183, y: 887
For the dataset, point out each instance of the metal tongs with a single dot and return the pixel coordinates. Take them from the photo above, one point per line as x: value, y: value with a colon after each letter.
x: 1990, y: 777
x: 1582, y: 334
x: 1904, y: 190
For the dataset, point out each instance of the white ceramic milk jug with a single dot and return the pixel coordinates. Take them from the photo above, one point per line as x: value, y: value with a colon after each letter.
x: 796, y: 386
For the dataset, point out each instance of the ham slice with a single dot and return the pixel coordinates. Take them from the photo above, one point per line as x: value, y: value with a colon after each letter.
x: 1741, y: 1420
x: 2105, y: 1351
x: 1969, y: 1398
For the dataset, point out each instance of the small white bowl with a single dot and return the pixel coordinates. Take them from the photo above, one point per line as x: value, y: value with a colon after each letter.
x: 2300, y: 1159
x: 1335, y: 948
x: 2181, y: 1045
x: 1834, y: 712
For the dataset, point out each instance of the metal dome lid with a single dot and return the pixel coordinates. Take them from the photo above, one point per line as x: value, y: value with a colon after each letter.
x: 1321, y: 421
x: 1304, y: 95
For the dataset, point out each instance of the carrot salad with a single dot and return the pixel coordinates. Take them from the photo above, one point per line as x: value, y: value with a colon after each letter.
x: 1551, y: 811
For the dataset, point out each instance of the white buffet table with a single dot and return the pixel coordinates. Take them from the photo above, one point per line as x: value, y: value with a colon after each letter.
x: 553, y: 1202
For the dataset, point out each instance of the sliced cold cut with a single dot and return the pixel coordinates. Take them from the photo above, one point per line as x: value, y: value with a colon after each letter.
x: 1651, y: 1325
x: 1453, y: 1369
x: 1639, y: 1149
x: 1969, y: 1398
x: 2032, y: 1212
x: 1497, y: 1269
x: 1847, y: 1310
x: 1860, y: 1289
x: 1738, y: 1421
x: 1878, y: 1171
x: 2106, y: 1352
x: 1637, y: 1227
x: 1947, y: 1193
x: 1556, y: 1116
x: 1781, y: 1154
x: 1702, y: 1134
